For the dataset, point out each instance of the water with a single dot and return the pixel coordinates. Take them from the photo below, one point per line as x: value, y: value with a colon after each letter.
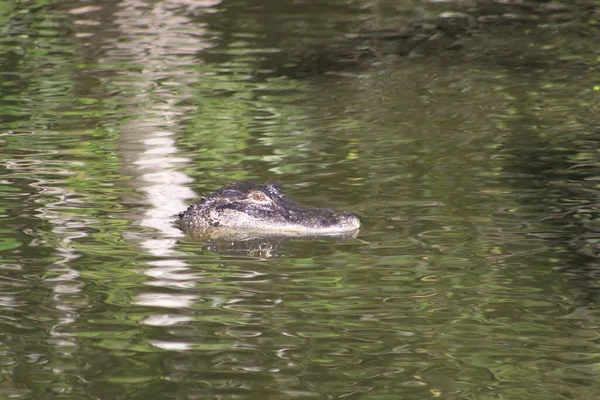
x: 471, y: 161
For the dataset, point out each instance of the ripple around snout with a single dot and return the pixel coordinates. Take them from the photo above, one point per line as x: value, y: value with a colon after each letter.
x: 263, y: 244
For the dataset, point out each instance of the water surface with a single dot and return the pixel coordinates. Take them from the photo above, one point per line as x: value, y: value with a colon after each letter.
x: 470, y: 159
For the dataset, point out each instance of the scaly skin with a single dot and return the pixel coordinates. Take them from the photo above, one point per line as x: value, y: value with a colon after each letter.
x: 249, y: 207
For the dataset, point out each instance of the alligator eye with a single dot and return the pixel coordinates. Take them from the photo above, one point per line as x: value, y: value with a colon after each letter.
x: 258, y: 196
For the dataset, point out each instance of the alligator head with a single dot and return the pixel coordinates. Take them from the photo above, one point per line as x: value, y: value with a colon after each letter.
x: 248, y: 207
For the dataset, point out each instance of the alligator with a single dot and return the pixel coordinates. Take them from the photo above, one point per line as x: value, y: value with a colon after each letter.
x: 246, y: 210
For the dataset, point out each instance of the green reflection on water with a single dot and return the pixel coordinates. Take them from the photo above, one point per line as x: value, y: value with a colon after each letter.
x: 473, y: 173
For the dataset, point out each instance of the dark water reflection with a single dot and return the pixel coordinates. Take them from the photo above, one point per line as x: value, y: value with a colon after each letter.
x: 472, y: 163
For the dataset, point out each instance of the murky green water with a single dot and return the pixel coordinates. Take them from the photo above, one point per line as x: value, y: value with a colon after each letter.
x: 472, y: 162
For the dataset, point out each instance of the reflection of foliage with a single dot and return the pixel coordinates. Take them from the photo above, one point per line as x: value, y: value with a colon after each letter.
x: 459, y: 163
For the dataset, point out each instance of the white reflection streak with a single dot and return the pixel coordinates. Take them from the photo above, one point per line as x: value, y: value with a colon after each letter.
x: 165, y: 300
x: 61, y: 278
x: 165, y: 320
x: 67, y: 227
x: 164, y: 188
x: 173, y: 346
x: 163, y: 41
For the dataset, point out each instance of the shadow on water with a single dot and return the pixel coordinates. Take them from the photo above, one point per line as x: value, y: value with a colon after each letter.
x: 559, y: 175
x: 452, y: 36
